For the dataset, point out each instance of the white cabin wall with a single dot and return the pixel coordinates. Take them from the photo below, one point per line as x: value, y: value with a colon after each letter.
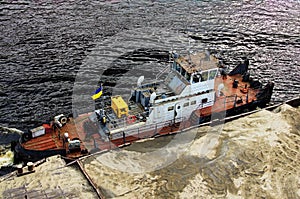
x: 198, y: 87
x: 189, y: 109
x: 160, y: 113
x: 203, y: 86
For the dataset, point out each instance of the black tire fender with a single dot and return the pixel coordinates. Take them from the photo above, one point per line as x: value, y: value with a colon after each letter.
x: 26, y: 137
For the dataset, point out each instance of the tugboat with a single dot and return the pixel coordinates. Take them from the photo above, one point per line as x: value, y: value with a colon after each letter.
x: 196, y: 87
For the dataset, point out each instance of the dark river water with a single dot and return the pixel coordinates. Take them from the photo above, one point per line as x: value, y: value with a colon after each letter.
x: 53, y: 53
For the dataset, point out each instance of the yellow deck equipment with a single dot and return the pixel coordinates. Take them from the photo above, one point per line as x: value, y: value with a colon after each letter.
x: 119, y: 106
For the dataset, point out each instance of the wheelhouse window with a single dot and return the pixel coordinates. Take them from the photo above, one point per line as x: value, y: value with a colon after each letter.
x: 196, y: 78
x: 193, y: 102
x: 177, y: 67
x: 188, y: 76
x: 183, y: 72
x: 212, y: 74
x: 204, y: 100
x: 170, y: 108
x: 186, y: 104
x: 204, y: 76
x: 174, y: 65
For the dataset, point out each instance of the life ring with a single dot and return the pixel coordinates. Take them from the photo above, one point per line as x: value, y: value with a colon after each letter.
x: 131, y: 119
x: 63, y: 119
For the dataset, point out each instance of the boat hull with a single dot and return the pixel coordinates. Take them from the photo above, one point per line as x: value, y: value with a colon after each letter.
x: 213, y: 100
x: 22, y: 154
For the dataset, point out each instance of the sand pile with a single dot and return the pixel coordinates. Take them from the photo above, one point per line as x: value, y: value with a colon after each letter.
x: 51, y: 180
x: 252, y: 157
x: 259, y: 158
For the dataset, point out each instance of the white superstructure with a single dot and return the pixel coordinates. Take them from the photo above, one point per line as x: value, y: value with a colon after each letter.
x: 188, y: 86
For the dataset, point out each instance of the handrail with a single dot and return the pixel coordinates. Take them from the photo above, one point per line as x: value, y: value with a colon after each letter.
x: 145, y: 128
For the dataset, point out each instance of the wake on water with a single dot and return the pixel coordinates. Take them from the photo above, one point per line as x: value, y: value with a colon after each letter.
x: 7, y: 135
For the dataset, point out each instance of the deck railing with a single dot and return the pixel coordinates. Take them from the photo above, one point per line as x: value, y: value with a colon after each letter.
x: 146, y: 131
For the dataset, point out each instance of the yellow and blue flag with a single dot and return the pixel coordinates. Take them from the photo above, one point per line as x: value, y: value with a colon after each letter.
x: 97, y: 93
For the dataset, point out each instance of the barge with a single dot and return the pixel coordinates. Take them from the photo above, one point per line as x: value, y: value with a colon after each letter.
x: 196, y: 87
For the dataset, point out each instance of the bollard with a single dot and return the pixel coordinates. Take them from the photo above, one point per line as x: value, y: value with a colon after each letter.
x: 20, y: 169
x: 30, y: 166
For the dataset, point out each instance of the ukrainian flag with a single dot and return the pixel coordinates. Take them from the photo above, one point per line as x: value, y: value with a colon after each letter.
x: 97, y: 93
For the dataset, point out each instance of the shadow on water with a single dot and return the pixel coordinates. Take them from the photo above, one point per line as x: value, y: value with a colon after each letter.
x: 125, y: 63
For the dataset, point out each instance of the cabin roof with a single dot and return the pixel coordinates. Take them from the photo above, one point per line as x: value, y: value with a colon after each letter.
x: 197, y: 61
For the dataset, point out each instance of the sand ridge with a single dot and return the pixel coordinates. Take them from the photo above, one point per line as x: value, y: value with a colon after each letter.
x: 51, y: 179
x: 253, y: 157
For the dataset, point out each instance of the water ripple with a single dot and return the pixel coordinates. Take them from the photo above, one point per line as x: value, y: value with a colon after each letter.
x: 43, y: 44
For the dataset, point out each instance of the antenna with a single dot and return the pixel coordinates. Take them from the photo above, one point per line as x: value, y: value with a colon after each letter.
x: 207, y: 55
x: 189, y: 52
